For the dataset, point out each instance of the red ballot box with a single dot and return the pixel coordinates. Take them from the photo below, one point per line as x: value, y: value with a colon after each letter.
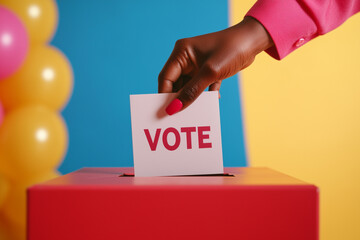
x: 102, y: 203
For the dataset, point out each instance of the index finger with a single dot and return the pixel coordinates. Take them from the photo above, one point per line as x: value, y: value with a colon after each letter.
x: 169, y: 75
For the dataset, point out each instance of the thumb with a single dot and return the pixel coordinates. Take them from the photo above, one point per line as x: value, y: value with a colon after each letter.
x: 192, y: 90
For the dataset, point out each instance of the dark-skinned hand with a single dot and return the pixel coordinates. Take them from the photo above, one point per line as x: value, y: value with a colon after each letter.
x: 204, y: 61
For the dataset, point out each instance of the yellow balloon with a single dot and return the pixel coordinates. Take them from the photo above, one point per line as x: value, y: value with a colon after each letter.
x: 4, y: 187
x: 45, y: 78
x: 4, y: 229
x: 14, y: 208
x: 38, y: 178
x: 40, y: 17
x: 33, y: 140
x: 17, y: 232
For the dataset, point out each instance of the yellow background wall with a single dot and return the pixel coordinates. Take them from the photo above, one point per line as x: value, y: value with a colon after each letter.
x: 302, y: 117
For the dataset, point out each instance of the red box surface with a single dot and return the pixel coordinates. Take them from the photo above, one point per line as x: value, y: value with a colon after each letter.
x: 95, y: 203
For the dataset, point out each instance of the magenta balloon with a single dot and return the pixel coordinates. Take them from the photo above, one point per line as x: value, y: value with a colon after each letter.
x: 14, y: 42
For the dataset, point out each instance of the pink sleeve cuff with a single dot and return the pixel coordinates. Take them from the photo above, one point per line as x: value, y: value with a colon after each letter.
x: 287, y: 23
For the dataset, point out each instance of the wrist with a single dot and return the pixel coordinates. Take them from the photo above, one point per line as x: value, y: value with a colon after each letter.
x: 260, y: 40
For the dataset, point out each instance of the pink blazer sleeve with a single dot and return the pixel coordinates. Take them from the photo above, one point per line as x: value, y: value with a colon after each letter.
x: 292, y: 23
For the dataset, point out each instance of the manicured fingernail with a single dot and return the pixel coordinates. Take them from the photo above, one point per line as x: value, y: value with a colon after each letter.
x: 175, y: 106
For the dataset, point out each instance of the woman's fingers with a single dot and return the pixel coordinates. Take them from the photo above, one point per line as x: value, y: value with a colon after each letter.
x: 215, y: 86
x: 168, y: 76
x: 192, y: 90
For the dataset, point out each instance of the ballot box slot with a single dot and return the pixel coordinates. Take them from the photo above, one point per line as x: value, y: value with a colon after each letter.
x: 196, y: 175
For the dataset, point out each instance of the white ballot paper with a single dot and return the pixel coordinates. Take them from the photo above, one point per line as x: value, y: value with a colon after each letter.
x: 186, y: 143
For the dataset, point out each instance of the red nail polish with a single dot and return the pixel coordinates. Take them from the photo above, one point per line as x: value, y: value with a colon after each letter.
x: 175, y: 106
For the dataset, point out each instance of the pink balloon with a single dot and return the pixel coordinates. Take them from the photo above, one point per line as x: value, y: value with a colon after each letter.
x: 14, y: 43
x: 1, y: 114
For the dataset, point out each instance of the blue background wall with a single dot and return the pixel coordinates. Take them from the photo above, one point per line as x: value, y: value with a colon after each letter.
x: 118, y: 48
